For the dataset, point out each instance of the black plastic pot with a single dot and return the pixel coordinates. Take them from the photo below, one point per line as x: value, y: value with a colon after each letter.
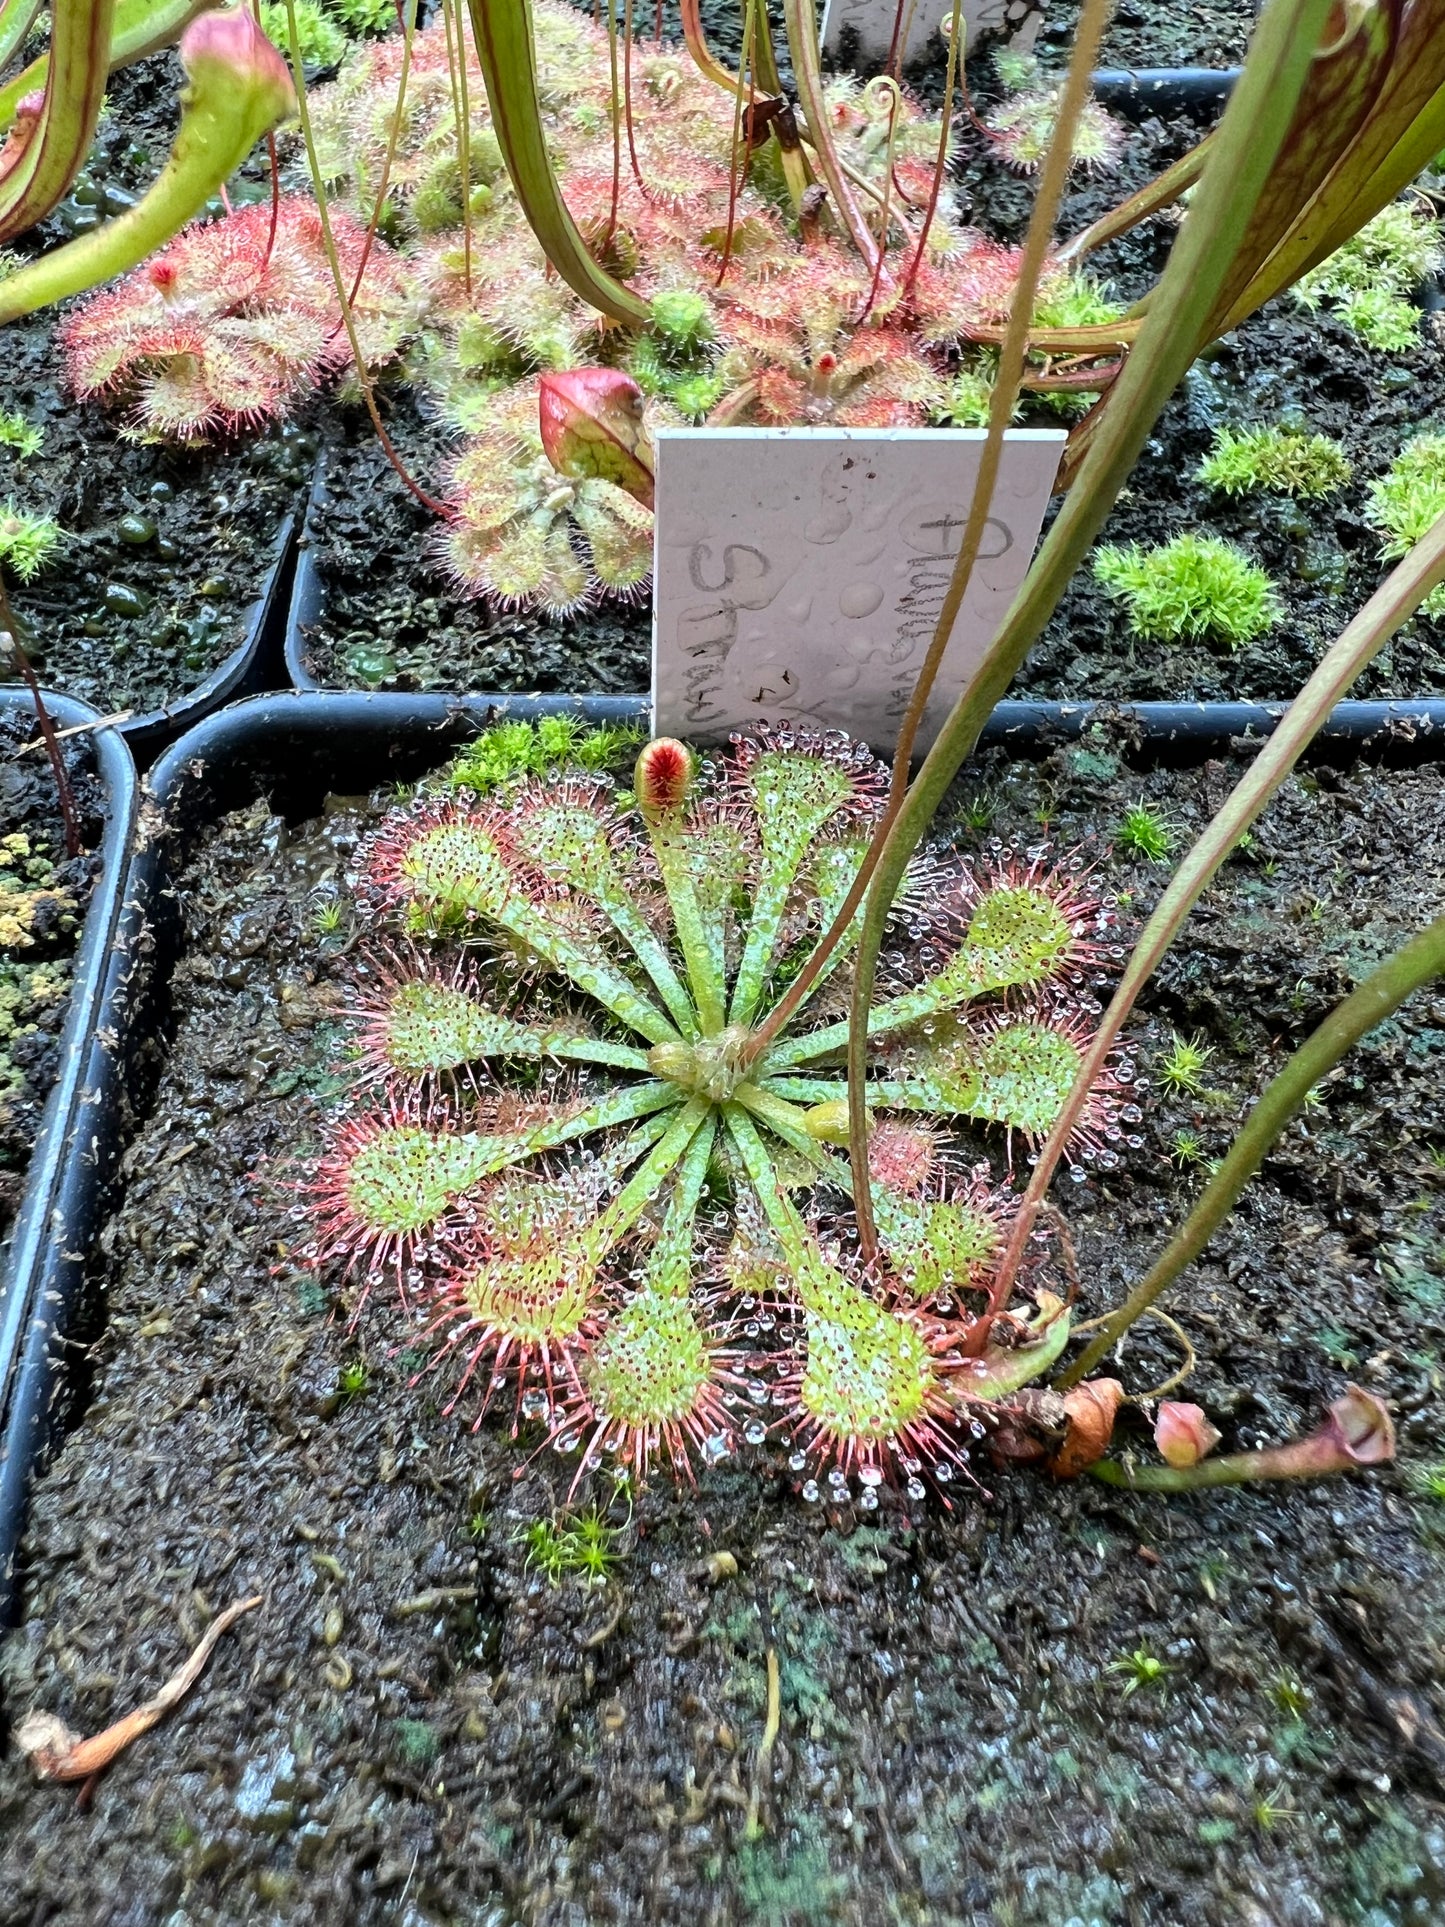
x: 294, y: 749
x: 250, y: 667
x: 42, y: 1263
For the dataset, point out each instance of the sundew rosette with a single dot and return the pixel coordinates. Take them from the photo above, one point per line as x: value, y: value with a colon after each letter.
x: 613, y: 1191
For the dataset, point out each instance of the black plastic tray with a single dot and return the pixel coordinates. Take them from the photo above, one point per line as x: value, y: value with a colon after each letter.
x: 41, y: 1263
x: 294, y: 749
x: 251, y: 666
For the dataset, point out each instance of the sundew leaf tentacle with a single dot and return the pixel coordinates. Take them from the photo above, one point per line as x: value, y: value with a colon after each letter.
x: 420, y: 1026
x: 794, y: 794
x: 570, y: 837
x: 444, y: 872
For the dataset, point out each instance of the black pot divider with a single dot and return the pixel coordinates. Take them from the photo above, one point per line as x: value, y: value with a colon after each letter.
x: 308, y: 596
x: 42, y: 1265
x: 1138, y: 93
x: 250, y: 667
x: 294, y: 749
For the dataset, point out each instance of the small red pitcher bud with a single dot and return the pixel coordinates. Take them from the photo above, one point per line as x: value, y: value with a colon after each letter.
x: 1183, y: 1434
x: 591, y: 423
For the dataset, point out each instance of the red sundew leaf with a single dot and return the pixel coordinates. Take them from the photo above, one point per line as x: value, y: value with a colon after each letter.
x: 591, y: 423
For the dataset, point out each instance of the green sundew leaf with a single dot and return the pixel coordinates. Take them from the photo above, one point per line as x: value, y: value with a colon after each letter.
x: 669, y: 1266
x: 1017, y: 937
x: 406, y: 1176
x: 794, y: 796
x: 435, y: 1027
x: 652, y: 1364
x: 569, y: 840
x: 934, y: 1246
x: 455, y: 868
x: 1018, y: 1075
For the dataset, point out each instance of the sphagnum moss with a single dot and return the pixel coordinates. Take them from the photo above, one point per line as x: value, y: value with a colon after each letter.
x: 616, y: 1208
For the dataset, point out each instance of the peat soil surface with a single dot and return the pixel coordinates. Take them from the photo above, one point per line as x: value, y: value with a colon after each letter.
x: 43, y: 896
x: 419, y: 1728
x: 163, y: 550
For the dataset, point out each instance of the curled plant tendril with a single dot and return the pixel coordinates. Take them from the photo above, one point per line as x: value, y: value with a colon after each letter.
x: 619, y: 1220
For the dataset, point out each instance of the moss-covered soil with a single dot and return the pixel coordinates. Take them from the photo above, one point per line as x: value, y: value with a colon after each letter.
x: 43, y: 897
x: 419, y: 1727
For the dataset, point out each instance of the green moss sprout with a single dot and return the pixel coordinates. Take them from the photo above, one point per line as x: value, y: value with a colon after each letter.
x: 1183, y: 1069
x: 27, y: 542
x: 1368, y: 282
x: 1139, y: 1670
x: 17, y: 433
x: 1286, y: 460
x: 1143, y: 832
x: 583, y: 1546
x: 1404, y: 502
x: 1193, y: 585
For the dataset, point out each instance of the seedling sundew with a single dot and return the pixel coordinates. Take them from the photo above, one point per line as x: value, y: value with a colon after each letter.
x: 623, y: 1213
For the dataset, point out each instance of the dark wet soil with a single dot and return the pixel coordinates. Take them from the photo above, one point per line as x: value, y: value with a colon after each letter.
x: 43, y: 897
x: 164, y: 550
x: 419, y: 1728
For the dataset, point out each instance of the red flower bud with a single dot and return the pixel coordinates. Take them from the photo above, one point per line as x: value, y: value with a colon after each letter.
x: 233, y: 41
x: 663, y: 778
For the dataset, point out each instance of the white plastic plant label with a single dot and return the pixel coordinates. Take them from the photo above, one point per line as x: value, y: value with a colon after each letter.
x: 859, y: 33
x: 799, y: 572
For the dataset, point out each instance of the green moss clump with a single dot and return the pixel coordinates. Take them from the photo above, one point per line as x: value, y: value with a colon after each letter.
x: 1195, y: 585
x: 1286, y: 460
x: 1076, y: 301
x: 19, y: 434
x: 967, y: 399
x: 365, y: 16
x: 321, y: 41
x: 27, y: 542
x: 1370, y: 279
x: 1404, y: 502
x: 515, y: 749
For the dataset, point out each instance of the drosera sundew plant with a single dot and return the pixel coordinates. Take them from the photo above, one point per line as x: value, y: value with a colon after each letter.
x: 618, y: 1209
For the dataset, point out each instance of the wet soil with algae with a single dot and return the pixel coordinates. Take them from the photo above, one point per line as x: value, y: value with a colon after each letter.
x: 163, y: 552
x: 418, y: 1727
x: 43, y: 898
